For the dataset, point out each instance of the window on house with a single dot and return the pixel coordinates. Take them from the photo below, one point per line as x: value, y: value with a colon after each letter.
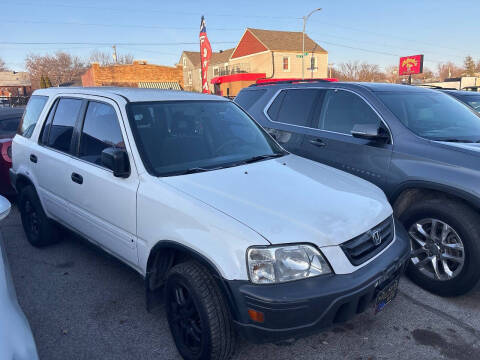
x: 200, y: 74
x: 189, y: 78
x: 184, y: 61
x: 215, y: 71
x: 286, y: 63
x: 313, y: 63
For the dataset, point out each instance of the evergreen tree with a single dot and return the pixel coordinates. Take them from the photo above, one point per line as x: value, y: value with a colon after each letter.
x: 43, y: 83
x: 469, y: 66
x: 48, y: 83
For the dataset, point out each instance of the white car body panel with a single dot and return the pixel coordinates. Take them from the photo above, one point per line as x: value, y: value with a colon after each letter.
x: 331, y: 208
x: 218, y: 214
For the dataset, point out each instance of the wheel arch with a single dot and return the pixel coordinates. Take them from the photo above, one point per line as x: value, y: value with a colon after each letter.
x: 165, y: 254
x: 412, y: 191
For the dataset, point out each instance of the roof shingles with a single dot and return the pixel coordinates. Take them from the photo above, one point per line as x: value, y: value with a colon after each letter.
x: 286, y: 40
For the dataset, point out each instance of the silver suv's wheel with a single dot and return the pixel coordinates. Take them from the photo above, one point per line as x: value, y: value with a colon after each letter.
x: 437, y: 249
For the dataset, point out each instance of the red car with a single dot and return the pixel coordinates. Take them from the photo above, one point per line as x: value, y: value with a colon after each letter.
x: 9, y: 120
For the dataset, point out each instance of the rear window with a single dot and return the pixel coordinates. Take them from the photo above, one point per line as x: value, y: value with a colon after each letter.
x: 247, y: 98
x: 295, y: 106
x: 32, y: 113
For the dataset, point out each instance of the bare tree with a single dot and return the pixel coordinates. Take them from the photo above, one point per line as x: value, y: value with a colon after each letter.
x: 356, y: 71
x: 447, y: 70
x: 104, y: 58
x: 60, y: 67
x: 3, y: 66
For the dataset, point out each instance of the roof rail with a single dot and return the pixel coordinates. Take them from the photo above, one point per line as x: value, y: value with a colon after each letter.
x: 261, y: 82
x: 435, y: 87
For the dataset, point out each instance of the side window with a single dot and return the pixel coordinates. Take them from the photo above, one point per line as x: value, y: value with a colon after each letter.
x: 296, y: 107
x: 100, y: 130
x: 61, y: 130
x: 247, y: 98
x: 31, y: 115
x: 48, y: 124
x: 343, y: 110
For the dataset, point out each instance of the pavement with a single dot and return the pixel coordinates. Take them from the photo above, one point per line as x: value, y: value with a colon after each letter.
x: 85, y: 304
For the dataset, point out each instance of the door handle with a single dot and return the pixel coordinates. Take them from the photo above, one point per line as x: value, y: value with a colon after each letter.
x: 33, y: 158
x: 77, y: 178
x: 317, y: 142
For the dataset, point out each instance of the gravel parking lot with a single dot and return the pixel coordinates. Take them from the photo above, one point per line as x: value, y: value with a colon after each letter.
x: 84, y: 304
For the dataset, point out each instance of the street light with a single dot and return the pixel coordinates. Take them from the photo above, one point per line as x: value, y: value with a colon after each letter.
x: 305, y: 18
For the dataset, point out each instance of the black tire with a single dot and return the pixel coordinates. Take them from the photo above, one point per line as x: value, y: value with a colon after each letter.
x: 39, y: 229
x: 466, y: 222
x: 197, y: 314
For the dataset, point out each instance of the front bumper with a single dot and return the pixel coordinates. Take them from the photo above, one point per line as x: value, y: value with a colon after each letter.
x: 300, y: 307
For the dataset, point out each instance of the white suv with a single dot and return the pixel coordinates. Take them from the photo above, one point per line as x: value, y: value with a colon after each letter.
x: 234, y: 232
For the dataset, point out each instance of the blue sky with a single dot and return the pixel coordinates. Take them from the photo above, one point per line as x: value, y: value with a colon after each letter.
x: 372, y: 31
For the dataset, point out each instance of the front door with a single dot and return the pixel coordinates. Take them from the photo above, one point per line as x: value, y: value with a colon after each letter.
x: 330, y: 141
x: 103, y: 206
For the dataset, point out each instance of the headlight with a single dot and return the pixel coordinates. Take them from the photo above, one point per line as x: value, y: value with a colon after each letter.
x: 276, y: 264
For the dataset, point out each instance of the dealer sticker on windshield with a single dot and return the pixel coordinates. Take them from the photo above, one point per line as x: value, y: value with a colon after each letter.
x: 386, y: 295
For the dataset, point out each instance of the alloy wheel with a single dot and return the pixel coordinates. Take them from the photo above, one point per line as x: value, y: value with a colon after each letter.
x: 437, y: 249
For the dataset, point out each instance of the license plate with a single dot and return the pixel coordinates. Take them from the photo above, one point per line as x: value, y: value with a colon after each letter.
x: 386, y: 295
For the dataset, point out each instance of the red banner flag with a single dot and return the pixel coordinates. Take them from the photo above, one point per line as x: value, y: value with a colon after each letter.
x: 205, y: 54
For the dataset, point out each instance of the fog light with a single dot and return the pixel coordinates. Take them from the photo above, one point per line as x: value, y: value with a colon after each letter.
x: 256, y: 316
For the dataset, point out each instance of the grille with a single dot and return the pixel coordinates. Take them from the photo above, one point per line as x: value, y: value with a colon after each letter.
x: 362, y: 248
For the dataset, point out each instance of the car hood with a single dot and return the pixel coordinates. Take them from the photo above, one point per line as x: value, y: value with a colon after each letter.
x: 291, y: 199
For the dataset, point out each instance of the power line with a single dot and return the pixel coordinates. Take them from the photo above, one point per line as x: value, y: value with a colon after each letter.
x: 110, y: 43
x: 150, y: 10
x: 142, y: 26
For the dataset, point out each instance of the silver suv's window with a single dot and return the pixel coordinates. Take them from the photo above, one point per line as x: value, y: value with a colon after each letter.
x: 433, y: 115
x: 32, y: 113
x: 179, y: 137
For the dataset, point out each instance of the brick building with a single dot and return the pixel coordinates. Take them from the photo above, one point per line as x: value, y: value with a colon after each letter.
x: 259, y: 54
x: 138, y: 74
x: 14, y: 84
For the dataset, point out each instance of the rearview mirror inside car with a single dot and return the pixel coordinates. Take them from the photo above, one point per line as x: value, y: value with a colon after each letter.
x: 116, y: 160
x: 369, y: 132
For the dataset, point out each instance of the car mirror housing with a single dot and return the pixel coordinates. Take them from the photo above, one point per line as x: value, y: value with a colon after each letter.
x: 116, y: 160
x: 369, y: 132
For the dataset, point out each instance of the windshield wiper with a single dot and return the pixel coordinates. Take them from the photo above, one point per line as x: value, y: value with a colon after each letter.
x: 263, y: 157
x: 196, y: 170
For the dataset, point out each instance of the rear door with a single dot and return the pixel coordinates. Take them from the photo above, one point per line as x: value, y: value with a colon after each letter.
x: 103, y: 206
x: 52, y: 157
x: 290, y: 114
x: 331, y: 141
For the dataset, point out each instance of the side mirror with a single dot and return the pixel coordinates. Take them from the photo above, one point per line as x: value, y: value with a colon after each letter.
x: 369, y: 132
x: 116, y: 160
x: 4, y: 207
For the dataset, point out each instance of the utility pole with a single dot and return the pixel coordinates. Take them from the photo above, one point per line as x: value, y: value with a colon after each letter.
x: 305, y: 18
x: 114, y: 54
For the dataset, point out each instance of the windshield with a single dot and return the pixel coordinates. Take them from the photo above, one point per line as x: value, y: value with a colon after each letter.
x: 471, y: 100
x: 433, y: 115
x: 180, y: 137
